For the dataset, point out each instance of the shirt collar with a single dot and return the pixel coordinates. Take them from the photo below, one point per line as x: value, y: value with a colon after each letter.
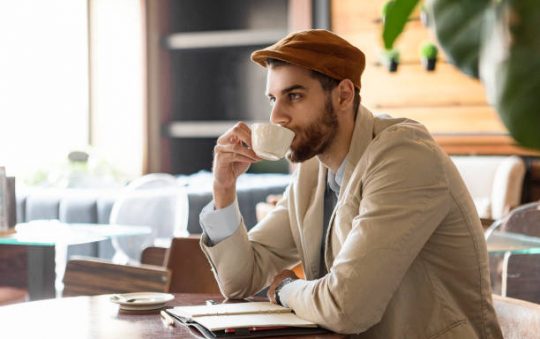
x: 335, y: 179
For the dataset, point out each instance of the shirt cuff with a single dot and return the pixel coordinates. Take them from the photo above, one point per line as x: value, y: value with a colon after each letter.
x: 220, y: 224
x: 285, y: 292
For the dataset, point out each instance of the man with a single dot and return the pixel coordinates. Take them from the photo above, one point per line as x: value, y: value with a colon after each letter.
x: 377, y: 214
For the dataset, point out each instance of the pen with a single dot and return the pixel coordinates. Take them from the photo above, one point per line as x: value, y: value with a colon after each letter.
x: 166, y: 318
x: 257, y: 328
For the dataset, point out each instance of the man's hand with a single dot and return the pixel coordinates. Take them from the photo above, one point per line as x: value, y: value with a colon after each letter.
x: 232, y: 157
x: 277, y: 280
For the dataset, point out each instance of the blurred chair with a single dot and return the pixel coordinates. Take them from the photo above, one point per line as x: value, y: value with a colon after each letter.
x: 154, y: 200
x: 185, y: 269
x: 154, y: 255
x: 494, y: 182
x: 517, y: 275
x: 518, y: 319
x: 191, y: 271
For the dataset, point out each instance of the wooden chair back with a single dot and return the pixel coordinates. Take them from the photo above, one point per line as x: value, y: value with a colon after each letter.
x: 191, y: 271
x: 90, y: 276
x: 154, y: 255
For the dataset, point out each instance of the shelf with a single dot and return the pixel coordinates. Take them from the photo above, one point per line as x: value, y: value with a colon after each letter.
x: 482, y: 144
x: 219, y: 39
x: 200, y: 77
x: 200, y: 129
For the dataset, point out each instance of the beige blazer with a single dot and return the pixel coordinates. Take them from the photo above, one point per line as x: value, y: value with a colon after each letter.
x: 405, y: 250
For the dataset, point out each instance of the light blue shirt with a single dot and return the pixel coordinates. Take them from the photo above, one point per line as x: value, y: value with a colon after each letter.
x: 220, y: 224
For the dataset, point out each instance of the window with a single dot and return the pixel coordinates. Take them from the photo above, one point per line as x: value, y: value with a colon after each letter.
x: 43, y: 82
x: 52, y: 102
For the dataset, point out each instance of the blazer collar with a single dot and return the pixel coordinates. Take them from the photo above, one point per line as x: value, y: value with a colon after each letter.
x: 362, y: 136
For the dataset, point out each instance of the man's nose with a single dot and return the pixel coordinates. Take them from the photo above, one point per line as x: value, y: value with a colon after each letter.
x: 278, y: 115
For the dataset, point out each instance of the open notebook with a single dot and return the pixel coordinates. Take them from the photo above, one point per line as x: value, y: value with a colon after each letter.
x: 251, y: 319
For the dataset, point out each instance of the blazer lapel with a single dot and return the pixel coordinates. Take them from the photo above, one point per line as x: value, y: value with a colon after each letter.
x: 305, y: 213
x: 362, y: 136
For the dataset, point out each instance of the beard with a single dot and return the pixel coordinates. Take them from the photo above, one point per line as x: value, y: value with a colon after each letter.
x: 317, y: 137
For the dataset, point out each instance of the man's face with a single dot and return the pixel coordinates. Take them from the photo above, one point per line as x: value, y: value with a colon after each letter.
x: 300, y: 104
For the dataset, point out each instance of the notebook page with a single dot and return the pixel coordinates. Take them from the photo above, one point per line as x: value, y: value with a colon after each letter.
x: 190, y: 312
x: 214, y: 323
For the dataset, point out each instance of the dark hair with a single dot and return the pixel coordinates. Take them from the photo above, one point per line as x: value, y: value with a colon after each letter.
x: 327, y: 83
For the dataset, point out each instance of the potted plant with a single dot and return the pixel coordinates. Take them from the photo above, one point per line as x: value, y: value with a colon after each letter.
x: 390, y: 58
x: 428, y: 55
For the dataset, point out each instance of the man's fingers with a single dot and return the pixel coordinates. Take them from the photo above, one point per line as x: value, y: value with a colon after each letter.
x: 239, y: 133
x: 271, y: 294
x: 236, y: 152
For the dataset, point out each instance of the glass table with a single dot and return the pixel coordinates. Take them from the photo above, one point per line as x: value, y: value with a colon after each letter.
x: 512, y: 243
x: 47, y: 242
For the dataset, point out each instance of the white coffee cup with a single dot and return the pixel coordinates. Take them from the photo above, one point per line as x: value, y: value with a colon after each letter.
x: 270, y: 141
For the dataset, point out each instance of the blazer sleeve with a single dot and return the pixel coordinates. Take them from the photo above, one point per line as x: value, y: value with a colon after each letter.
x: 246, y: 262
x: 402, y: 198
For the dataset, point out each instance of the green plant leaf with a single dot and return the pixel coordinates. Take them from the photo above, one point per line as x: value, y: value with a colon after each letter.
x: 510, y: 67
x: 458, y: 27
x: 396, y: 17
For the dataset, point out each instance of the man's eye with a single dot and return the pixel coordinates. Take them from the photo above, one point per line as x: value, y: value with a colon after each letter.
x: 272, y: 101
x: 294, y: 96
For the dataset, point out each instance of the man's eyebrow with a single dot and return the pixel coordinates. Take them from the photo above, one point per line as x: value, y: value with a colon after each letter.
x: 289, y: 89
x: 292, y: 88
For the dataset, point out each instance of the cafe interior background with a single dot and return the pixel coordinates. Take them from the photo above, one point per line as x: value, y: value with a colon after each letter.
x: 98, y: 96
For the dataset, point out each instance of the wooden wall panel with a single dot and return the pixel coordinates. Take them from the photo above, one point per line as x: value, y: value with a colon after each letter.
x: 411, y: 86
x: 299, y: 15
x: 158, y: 88
x: 447, y: 119
x: 353, y: 15
x: 482, y: 144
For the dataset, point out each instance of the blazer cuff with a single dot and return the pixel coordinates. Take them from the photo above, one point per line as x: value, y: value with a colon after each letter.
x: 287, y: 291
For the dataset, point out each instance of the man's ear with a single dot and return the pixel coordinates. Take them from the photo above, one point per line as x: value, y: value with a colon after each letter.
x: 345, y: 92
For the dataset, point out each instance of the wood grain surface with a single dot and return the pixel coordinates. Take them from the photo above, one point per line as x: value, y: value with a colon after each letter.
x: 96, y: 317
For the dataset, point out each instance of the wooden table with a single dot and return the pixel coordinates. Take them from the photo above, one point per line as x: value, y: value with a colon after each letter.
x: 97, y: 318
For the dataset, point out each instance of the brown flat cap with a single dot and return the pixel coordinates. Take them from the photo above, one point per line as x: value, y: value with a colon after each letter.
x: 318, y: 50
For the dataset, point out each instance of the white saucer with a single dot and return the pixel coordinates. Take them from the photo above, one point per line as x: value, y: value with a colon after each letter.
x: 141, y: 300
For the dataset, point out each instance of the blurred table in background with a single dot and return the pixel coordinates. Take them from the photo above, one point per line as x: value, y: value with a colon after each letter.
x: 46, y: 242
